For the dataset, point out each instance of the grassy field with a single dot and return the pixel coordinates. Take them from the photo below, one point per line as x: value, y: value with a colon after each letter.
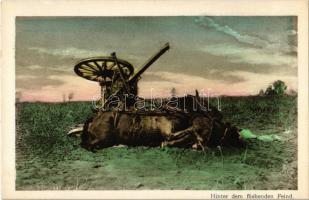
x: 47, y: 159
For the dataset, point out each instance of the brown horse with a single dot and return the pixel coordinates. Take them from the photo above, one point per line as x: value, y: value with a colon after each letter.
x: 198, y: 129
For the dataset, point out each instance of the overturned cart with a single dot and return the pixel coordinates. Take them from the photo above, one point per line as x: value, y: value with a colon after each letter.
x: 118, y: 120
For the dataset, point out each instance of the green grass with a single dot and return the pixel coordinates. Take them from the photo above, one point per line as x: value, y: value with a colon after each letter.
x: 48, y: 159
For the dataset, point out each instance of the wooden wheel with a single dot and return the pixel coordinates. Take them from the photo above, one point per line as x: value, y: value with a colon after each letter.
x: 102, y: 69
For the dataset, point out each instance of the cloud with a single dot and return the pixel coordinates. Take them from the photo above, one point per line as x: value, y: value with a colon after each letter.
x: 25, y: 76
x: 35, y: 82
x: 208, y: 22
x: 292, y: 32
x: 37, y: 69
x: 37, y: 76
x: 82, y: 89
x: 248, y: 39
x: 186, y: 84
x: 69, y: 52
x: 212, y: 74
x: 254, y: 82
x: 238, y: 54
x: 34, y: 67
x: 73, y: 52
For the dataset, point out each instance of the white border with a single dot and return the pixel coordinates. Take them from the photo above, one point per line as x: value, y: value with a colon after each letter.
x: 13, y: 8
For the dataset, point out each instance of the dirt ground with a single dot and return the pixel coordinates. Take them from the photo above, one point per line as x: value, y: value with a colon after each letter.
x: 47, y: 159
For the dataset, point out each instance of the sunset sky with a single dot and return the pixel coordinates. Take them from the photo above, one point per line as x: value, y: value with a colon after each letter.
x: 223, y: 55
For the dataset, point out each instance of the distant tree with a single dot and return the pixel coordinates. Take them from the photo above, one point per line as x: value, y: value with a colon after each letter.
x: 17, y: 96
x: 261, y: 92
x: 70, y: 96
x: 64, y: 97
x: 277, y: 88
x: 173, y: 92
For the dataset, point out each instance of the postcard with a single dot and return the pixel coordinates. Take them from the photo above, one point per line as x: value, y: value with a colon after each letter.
x: 155, y: 99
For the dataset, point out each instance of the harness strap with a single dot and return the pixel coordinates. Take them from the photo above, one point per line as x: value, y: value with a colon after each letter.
x: 225, y: 132
x: 116, y: 119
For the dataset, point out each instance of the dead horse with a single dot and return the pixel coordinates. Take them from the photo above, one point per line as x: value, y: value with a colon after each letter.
x: 195, y: 130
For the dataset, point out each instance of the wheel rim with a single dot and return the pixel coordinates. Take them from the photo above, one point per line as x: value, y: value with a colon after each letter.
x: 101, y: 69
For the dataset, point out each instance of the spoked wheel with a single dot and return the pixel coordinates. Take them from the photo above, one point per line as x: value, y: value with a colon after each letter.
x: 102, y: 69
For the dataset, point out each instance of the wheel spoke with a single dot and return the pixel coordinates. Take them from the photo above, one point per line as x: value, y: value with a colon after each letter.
x: 98, y: 76
x: 93, y: 77
x: 85, y: 71
x: 91, y: 67
x: 111, y: 66
x: 104, y: 65
x: 86, y: 68
x: 86, y: 74
x: 98, y: 66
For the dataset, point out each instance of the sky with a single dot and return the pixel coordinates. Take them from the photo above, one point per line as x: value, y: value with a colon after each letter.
x: 220, y: 55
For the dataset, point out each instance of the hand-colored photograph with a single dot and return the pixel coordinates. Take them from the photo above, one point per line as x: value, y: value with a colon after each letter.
x: 156, y: 103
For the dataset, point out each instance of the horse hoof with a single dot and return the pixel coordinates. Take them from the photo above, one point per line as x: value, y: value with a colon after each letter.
x: 75, y: 132
x: 163, y: 144
x: 195, y: 146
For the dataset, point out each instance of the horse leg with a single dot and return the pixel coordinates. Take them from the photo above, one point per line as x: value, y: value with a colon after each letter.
x: 185, y: 141
x: 180, y: 138
x: 180, y: 134
x: 193, y: 140
x: 187, y: 137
